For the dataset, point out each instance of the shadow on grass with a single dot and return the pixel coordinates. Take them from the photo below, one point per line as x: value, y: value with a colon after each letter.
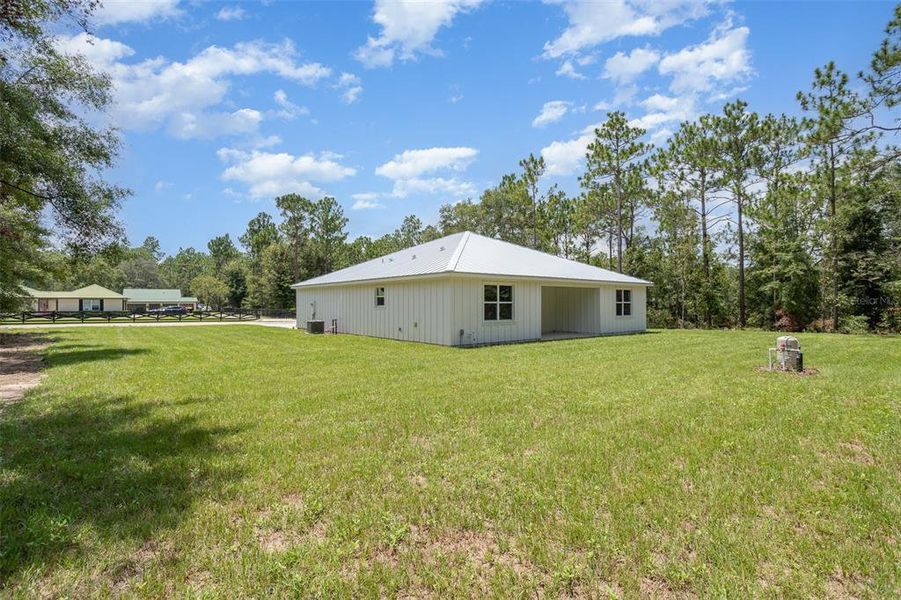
x: 112, y: 465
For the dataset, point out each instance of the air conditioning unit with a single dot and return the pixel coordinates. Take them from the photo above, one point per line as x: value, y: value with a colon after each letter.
x: 315, y: 326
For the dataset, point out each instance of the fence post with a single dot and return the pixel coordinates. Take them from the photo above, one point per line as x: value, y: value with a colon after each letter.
x: 53, y: 317
x: 82, y: 316
x: 23, y: 317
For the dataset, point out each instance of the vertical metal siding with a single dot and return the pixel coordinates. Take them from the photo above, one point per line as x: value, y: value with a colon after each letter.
x: 610, y: 323
x: 435, y: 310
x: 468, y: 295
x: 414, y: 310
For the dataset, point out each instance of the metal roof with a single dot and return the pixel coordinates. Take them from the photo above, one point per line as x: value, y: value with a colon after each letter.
x: 156, y: 295
x: 89, y: 291
x: 471, y: 253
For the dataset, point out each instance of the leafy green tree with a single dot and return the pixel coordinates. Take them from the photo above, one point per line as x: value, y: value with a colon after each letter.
x: 140, y: 272
x: 616, y: 159
x: 533, y: 170
x: 52, y: 157
x: 884, y: 76
x: 151, y: 247
x: 738, y: 134
x: 506, y: 211
x: 235, y: 276
x: 222, y: 251
x: 209, y: 289
x: 690, y: 167
x: 296, y: 212
x: 461, y: 216
x: 180, y: 270
x: 276, y: 277
x: 831, y: 141
x: 260, y: 234
x: 328, y: 235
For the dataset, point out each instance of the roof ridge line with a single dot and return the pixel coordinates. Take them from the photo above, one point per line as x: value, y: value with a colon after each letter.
x: 455, y: 259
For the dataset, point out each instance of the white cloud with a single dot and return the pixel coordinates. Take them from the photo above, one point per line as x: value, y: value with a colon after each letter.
x: 158, y: 93
x: 289, y: 110
x: 365, y: 201
x: 161, y: 185
x: 568, y: 70
x: 270, y: 174
x: 453, y: 188
x: 551, y: 112
x: 413, y: 163
x: 591, y: 22
x: 351, y: 87
x: 722, y: 59
x: 112, y: 12
x: 665, y: 110
x: 408, y: 167
x: 565, y: 157
x: 99, y: 52
x: 206, y: 125
x: 408, y: 28
x: 625, y: 68
x: 231, y: 13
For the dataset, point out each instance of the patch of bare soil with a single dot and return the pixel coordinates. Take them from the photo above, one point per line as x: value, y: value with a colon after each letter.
x: 805, y: 373
x: 655, y: 587
x: 479, y: 550
x: 21, y: 364
x: 858, y: 452
x: 844, y: 586
x: 132, y: 570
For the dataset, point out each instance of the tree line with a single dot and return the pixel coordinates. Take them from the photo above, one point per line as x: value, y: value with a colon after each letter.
x: 739, y: 219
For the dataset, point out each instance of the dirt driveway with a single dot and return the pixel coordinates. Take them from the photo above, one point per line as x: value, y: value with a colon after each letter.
x: 21, y: 364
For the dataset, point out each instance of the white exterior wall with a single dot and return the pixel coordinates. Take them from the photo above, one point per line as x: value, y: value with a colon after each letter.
x: 468, y: 297
x: 68, y: 304
x: 415, y: 310
x: 610, y: 323
x: 435, y: 310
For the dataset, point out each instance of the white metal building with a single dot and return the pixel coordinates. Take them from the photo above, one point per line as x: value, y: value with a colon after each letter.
x: 467, y: 289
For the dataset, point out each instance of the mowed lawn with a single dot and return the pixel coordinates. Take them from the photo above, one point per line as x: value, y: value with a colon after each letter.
x: 247, y: 461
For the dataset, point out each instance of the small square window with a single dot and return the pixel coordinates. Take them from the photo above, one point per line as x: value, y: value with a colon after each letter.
x: 490, y: 293
x: 506, y: 312
x: 380, y: 296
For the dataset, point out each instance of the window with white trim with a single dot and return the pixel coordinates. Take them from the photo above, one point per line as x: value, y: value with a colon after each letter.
x: 90, y: 304
x: 498, y: 302
x: 380, y: 296
x: 623, y: 303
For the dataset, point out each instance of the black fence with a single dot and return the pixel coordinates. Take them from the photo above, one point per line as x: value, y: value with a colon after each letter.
x: 121, y: 316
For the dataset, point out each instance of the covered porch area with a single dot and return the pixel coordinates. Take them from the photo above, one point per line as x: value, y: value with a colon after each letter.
x: 570, y: 312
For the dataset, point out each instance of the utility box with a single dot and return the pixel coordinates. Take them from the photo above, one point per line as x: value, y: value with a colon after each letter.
x: 788, y: 354
x: 315, y: 326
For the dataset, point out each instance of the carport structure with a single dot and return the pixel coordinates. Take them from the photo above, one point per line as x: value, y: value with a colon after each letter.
x: 573, y: 310
x: 568, y: 311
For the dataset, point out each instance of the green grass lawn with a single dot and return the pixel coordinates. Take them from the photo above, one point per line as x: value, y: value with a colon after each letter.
x: 247, y: 461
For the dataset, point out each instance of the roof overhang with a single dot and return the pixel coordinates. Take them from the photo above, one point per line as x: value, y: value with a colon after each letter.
x: 495, y: 276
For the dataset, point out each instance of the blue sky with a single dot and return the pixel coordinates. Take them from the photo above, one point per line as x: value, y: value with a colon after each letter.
x: 397, y: 108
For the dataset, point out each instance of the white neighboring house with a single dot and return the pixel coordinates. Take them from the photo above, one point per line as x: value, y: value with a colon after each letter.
x: 467, y: 289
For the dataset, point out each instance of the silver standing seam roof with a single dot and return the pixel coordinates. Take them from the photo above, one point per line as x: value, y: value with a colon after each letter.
x: 469, y: 253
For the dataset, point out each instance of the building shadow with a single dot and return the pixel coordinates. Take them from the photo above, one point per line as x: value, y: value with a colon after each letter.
x: 116, y: 466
